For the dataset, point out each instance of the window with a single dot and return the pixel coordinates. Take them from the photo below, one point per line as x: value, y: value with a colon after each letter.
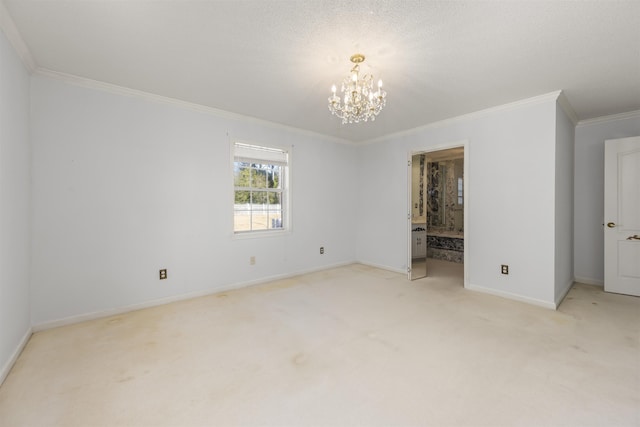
x: 460, y: 194
x: 260, y: 188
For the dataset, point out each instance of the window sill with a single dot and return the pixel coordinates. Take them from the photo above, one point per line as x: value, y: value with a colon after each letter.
x: 260, y: 234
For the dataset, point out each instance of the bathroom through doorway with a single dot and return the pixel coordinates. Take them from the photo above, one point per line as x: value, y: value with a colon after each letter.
x: 438, y: 210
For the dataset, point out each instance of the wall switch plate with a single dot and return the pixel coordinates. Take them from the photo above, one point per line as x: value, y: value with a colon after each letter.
x: 252, y: 260
x: 504, y: 269
x: 163, y: 274
x: 321, y: 250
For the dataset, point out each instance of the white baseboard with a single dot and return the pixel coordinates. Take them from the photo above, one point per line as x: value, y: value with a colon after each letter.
x: 528, y: 300
x: 588, y: 281
x: 162, y: 301
x: 383, y: 267
x: 12, y: 360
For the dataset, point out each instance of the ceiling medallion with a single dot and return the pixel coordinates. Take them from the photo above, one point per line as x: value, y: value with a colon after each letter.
x: 360, y: 102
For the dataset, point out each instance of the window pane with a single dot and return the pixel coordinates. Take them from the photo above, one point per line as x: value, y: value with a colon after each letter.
x: 259, y: 220
x: 242, y: 220
x: 259, y: 198
x: 275, y: 219
x: 242, y: 197
x: 241, y: 175
x: 259, y: 210
x: 275, y: 176
x: 275, y: 200
x: 259, y: 177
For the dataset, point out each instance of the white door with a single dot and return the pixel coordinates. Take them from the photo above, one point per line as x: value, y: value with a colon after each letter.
x: 622, y: 216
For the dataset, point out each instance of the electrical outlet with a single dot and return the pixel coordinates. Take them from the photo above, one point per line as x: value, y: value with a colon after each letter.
x: 252, y: 260
x: 504, y: 269
x: 163, y: 274
x: 321, y: 250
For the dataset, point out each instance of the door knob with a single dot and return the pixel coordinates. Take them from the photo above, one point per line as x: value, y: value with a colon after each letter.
x: 611, y: 224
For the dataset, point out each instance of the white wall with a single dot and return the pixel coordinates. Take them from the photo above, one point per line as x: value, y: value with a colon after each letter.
x: 510, y: 192
x: 589, y: 191
x: 15, y: 173
x: 124, y: 186
x: 564, y: 171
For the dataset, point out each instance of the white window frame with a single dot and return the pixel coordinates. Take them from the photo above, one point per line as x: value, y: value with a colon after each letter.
x: 265, y: 154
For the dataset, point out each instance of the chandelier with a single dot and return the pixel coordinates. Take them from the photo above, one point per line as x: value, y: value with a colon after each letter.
x: 359, y: 102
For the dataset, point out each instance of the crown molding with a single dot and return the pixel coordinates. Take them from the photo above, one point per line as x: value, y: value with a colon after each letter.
x: 125, y: 91
x: 621, y: 116
x: 468, y: 117
x: 13, y: 35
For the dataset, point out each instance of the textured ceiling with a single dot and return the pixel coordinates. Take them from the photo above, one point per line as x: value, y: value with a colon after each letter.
x: 276, y: 60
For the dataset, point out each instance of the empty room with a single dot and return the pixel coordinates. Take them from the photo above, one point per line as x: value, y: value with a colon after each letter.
x: 319, y: 213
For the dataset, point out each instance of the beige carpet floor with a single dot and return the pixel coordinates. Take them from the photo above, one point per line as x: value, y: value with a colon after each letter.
x: 349, y: 346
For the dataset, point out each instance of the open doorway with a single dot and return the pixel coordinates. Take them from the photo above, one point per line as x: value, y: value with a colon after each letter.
x: 438, y: 212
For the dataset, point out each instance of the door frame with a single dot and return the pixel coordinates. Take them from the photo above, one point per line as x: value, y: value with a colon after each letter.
x: 465, y: 196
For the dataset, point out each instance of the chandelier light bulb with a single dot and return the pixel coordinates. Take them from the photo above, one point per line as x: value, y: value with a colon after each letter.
x: 358, y: 101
